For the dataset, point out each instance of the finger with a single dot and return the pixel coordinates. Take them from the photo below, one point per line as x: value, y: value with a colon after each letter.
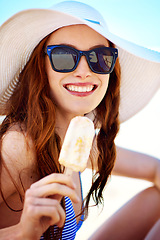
x: 54, y: 189
x: 40, y: 201
x: 54, y: 215
x: 47, y: 209
x: 55, y: 178
x: 56, y: 196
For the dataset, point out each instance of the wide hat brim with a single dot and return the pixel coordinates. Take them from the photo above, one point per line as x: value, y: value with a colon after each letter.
x: 140, y: 67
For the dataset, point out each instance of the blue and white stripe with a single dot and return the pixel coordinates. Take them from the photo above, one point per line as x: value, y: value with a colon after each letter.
x: 71, y: 226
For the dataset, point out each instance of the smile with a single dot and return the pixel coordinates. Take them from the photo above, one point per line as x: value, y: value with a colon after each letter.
x: 83, y: 89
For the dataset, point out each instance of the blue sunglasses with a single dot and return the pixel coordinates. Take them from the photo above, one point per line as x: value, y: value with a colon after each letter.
x: 65, y: 59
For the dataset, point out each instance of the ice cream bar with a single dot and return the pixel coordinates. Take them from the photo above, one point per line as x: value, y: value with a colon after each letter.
x: 77, y: 144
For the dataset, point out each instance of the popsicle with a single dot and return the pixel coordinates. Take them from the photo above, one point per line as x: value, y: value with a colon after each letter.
x: 77, y: 145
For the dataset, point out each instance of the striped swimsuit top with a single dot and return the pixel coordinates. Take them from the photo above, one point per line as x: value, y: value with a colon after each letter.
x: 71, y: 227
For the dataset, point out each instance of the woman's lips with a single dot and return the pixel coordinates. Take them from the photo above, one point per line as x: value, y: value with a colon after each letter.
x: 80, y: 89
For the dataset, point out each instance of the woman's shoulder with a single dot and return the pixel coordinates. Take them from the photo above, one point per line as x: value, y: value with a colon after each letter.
x: 17, y: 150
x: 17, y: 145
x: 18, y: 159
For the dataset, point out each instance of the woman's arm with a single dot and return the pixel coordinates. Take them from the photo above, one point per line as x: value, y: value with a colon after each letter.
x: 42, y: 200
x: 42, y: 208
x: 137, y: 165
x: 12, y: 232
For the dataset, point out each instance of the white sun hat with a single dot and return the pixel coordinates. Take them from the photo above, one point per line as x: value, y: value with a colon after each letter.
x: 19, y: 35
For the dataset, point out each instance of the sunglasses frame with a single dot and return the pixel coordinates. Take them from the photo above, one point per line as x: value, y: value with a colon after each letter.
x: 80, y: 53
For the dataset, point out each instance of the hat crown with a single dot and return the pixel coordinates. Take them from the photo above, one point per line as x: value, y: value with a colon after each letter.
x: 82, y: 11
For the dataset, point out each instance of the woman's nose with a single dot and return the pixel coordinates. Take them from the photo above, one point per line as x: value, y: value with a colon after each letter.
x: 83, y: 70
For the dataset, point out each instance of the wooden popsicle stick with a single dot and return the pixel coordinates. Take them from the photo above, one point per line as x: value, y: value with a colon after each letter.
x: 68, y: 171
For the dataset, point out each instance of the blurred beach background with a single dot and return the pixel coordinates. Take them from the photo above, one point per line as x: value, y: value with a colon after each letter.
x: 137, y: 21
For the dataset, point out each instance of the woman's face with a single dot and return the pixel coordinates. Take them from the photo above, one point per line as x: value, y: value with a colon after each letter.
x: 80, y: 91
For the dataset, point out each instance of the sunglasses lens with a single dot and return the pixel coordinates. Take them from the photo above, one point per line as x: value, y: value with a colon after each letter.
x: 101, y: 60
x: 63, y: 59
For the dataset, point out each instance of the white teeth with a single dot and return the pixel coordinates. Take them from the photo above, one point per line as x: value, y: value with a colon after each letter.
x: 74, y: 88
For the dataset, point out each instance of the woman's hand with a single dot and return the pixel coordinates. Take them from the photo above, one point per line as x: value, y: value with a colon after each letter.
x: 42, y: 206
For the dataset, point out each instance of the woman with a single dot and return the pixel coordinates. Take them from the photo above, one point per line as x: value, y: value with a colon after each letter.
x: 60, y: 63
